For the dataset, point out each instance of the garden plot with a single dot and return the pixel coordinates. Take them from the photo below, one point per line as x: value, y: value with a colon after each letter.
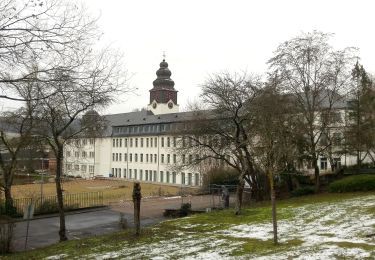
x: 341, y: 229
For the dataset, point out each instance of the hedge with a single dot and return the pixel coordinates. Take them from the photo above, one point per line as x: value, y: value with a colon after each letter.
x: 363, y: 182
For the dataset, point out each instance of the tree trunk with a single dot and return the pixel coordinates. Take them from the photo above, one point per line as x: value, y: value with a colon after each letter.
x: 273, y: 203
x: 239, y: 196
x: 9, y: 209
x: 316, y: 175
x: 137, y: 207
x: 59, y: 193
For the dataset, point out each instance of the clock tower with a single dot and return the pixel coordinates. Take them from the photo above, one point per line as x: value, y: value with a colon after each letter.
x: 163, y: 96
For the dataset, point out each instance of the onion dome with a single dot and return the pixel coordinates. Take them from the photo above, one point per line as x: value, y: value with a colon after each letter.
x: 163, y: 79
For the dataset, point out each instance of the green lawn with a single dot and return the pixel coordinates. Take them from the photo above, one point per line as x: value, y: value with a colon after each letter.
x: 326, y: 226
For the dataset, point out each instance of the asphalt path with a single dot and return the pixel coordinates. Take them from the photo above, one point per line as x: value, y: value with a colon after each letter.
x: 44, y: 231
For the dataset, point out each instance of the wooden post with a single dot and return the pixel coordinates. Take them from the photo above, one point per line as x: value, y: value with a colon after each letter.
x: 137, y: 206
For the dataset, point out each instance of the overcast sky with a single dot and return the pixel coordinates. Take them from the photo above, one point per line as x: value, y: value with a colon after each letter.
x: 204, y: 37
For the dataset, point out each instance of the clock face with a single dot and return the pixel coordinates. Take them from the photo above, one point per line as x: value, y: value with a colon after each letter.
x: 170, y: 105
x: 154, y: 105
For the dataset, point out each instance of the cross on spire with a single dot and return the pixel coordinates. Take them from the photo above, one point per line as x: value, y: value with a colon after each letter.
x: 163, y: 55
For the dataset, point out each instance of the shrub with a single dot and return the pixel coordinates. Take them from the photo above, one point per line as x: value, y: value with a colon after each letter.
x: 306, y: 190
x: 363, y: 182
x: 221, y: 176
x: 185, y: 209
x: 47, y: 207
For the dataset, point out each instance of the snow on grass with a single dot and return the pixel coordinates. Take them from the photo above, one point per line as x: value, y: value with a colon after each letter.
x: 327, y: 230
x: 320, y: 226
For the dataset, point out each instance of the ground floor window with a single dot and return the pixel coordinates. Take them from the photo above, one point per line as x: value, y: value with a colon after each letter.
x: 323, y: 163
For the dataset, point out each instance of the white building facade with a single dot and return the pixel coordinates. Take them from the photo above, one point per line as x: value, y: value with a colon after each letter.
x: 137, y: 145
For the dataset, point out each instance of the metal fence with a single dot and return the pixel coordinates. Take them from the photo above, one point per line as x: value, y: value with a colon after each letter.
x: 48, y: 204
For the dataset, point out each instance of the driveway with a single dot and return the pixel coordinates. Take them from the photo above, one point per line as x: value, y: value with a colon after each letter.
x: 44, y: 231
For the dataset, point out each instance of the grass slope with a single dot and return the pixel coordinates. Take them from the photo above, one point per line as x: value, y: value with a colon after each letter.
x: 327, y: 226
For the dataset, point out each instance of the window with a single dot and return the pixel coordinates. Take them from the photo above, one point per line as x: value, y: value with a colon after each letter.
x: 130, y: 157
x: 336, y: 139
x: 125, y: 157
x: 162, y: 158
x: 182, y: 178
x: 136, y: 142
x: 161, y: 176
x: 337, y: 163
x: 124, y: 173
x: 130, y: 174
x: 84, y: 154
x: 113, y: 157
x: 91, y: 168
x: 151, y: 158
x: 76, y: 167
x: 77, y: 142
x: 323, y: 163
x: 141, y: 142
x: 146, y: 175
x: 135, y: 173
x: 196, y: 179
x: 173, y: 177
x: 162, y: 142
x: 167, y: 175
x: 174, y: 141
x: 76, y: 154
x: 141, y: 159
x: 174, y: 158
x: 120, y: 142
x: 126, y: 142
x: 116, y: 142
x: 155, y: 158
x: 150, y: 142
x: 189, y: 178
x: 147, y: 142
x: 168, y: 158
x: 116, y: 157
x: 190, y: 158
x: 183, y: 158
x: 168, y: 142
x: 92, y: 154
x: 120, y: 157
x: 84, y: 141
x: 131, y: 142
x: 92, y: 141
x: 155, y: 142
x: 155, y: 176
x: 136, y: 157
x: 146, y: 157
x: 140, y: 174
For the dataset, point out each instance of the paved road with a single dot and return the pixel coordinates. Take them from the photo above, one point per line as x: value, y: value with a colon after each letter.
x: 44, y: 231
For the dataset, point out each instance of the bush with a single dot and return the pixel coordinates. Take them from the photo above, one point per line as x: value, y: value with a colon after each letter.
x: 185, y: 209
x: 363, y: 182
x: 47, y: 207
x: 306, y: 190
x: 221, y: 176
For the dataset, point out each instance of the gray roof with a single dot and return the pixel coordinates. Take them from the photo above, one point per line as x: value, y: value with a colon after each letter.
x: 145, y: 117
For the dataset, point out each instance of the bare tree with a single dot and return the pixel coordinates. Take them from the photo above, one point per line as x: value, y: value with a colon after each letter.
x: 16, y: 134
x: 318, y: 77
x: 41, y: 32
x: 222, y: 132
x: 275, y: 144
x: 93, y: 85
